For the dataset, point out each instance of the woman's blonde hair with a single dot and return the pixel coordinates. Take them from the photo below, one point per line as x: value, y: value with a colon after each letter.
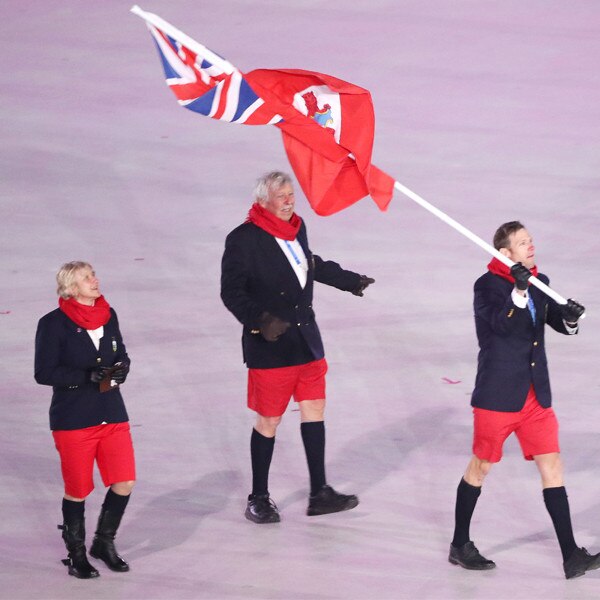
x: 66, y: 277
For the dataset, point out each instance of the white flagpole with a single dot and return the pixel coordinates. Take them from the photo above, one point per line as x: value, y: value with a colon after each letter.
x: 198, y: 48
x: 474, y: 238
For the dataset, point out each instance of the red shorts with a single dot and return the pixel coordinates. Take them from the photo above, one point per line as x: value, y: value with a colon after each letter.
x: 535, y: 427
x: 270, y: 390
x: 110, y: 445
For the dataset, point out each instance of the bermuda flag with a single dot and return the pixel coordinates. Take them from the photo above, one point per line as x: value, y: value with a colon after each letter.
x: 327, y: 124
x: 328, y: 128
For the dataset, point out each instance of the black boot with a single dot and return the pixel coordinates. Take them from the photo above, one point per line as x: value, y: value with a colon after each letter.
x: 103, y: 546
x: 73, y: 534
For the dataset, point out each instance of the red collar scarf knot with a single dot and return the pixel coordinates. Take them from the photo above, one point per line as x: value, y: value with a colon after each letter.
x: 88, y: 317
x: 499, y: 268
x: 261, y: 217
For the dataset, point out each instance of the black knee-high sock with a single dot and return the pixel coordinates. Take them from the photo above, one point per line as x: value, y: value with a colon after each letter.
x: 115, y: 503
x: 72, y: 510
x: 313, y: 437
x: 466, y: 499
x: 557, y: 503
x: 261, y: 452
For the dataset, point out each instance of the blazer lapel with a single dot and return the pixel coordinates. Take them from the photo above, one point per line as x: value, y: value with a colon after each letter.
x: 303, y: 241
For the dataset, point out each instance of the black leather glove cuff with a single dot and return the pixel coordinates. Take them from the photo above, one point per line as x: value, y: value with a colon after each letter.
x: 96, y: 375
x: 363, y: 283
x: 120, y: 373
x: 521, y: 275
x: 272, y: 327
x: 572, y: 311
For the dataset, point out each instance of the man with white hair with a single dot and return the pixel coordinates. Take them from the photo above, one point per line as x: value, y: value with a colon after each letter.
x: 267, y: 280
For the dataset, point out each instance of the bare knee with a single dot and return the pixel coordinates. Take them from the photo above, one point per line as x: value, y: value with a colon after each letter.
x: 312, y: 410
x: 550, y: 468
x: 477, y: 471
x: 122, y: 488
x: 267, y: 426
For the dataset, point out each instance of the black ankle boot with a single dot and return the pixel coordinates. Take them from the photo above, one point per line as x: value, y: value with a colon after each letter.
x: 73, y: 534
x: 103, y: 546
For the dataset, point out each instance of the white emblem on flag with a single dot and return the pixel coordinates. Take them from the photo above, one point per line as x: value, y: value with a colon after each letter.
x: 321, y: 104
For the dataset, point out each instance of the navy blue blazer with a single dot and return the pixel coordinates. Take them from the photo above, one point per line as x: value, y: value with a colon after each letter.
x: 512, y: 354
x: 256, y: 276
x: 64, y: 354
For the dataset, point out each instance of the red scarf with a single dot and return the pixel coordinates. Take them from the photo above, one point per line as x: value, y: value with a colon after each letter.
x: 88, y: 317
x: 499, y: 268
x: 261, y: 217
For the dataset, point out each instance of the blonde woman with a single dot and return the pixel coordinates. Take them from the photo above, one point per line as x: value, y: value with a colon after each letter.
x: 79, y: 351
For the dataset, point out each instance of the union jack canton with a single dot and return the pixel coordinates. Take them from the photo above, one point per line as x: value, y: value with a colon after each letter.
x: 208, y: 89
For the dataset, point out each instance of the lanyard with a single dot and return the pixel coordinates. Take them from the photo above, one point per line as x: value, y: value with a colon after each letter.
x: 531, y: 307
x: 295, y: 256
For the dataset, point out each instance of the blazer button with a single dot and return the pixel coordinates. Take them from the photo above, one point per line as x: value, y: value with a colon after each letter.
x: 535, y: 343
x: 296, y: 306
x: 282, y: 293
x: 533, y: 364
x: 299, y: 324
x: 98, y: 360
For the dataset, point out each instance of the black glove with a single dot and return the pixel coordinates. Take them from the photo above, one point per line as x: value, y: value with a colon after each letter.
x: 120, y: 374
x: 521, y: 275
x: 572, y: 311
x: 363, y: 284
x: 97, y: 374
x: 271, y: 327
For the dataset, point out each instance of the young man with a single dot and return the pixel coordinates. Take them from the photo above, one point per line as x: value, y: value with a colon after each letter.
x: 267, y: 280
x: 512, y: 393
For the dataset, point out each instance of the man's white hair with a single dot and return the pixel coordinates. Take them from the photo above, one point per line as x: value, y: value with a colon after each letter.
x: 270, y: 181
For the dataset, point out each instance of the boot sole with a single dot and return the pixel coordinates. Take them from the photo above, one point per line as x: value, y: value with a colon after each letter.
x: 115, y: 569
x: 71, y: 570
x: 315, y: 513
x: 92, y: 575
x: 453, y: 561
x: 274, y: 519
